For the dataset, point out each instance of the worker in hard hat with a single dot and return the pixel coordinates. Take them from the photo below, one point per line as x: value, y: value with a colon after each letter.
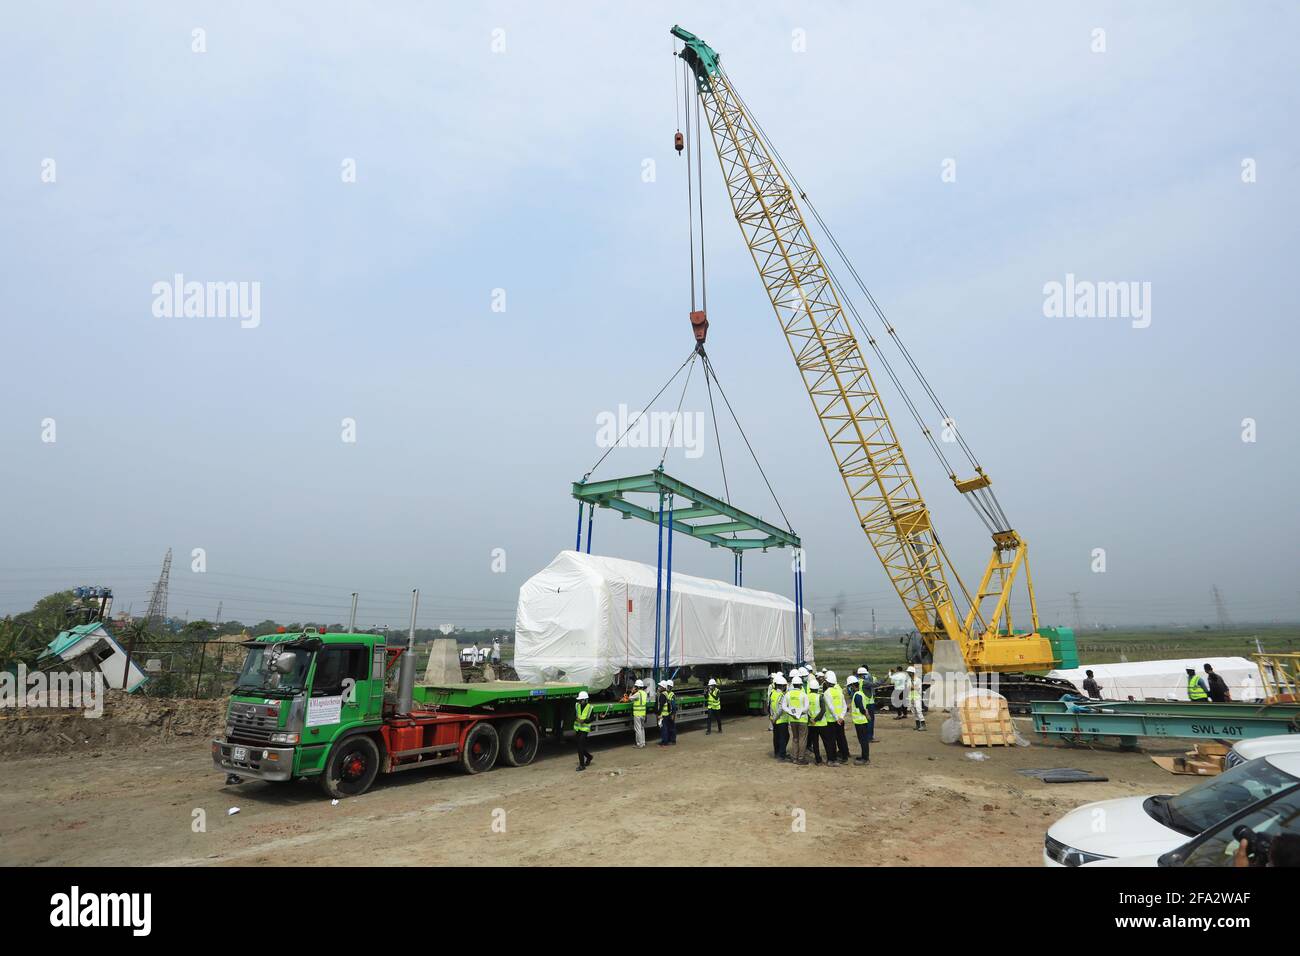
x: 662, y: 708
x: 671, y: 704
x: 816, y: 719
x: 867, y: 684
x: 914, y: 687
x: 780, y: 719
x: 860, y: 712
x: 837, y: 712
x: 582, y: 727
x: 795, y: 707
x: 712, y: 707
x: 898, y: 699
x: 639, y: 701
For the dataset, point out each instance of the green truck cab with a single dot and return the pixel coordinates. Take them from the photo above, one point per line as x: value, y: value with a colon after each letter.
x: 297, y: 697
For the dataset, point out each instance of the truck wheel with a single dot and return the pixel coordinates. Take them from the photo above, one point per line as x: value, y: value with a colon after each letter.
x: 519, y: 742
x: 481, y: 748
x: 351, y: 767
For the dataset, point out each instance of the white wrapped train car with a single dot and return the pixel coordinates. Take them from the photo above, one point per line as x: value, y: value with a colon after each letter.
x: 585, y: 617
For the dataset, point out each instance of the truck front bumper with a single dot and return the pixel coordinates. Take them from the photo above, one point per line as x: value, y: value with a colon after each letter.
x: 250, y: 760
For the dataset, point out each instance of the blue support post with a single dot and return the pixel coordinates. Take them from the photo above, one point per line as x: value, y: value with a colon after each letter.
x: 591, y: 514
x: 798, y: 607
x: 577, y: 545
x: 668, y: 591
x: 659, y: 584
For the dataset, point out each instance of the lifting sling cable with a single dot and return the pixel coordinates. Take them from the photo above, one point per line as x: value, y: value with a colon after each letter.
x: 986, y: 505
x: 668, y: 444
x: 632, y: 424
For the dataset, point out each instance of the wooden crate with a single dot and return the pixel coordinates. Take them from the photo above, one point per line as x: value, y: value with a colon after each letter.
x: 986, y: 722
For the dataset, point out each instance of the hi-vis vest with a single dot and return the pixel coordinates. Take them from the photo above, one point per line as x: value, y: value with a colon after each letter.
x: 860, y: 701
x: 836, y: 706
x: 914, y: 688
x: 638, y: 703
x: 797, y: 698
x: 774, y: 702
x: 666, y: 704
x: 582, y: 718
x: 1195, y: 689
x: 817, y: 713
x: 863, y: 681
x: 714, y: 699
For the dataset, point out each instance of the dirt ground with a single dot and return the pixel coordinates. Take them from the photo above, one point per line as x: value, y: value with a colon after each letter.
x: 920, y: 803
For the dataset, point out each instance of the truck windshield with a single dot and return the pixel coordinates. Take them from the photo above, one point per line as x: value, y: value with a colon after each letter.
x: 262, y: 674
x: 1201, y: 807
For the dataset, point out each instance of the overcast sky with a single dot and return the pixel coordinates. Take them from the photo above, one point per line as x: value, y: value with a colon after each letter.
x: 504, y: 147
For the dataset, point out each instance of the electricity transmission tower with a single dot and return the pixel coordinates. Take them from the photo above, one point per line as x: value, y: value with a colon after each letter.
x: 158, y: 600
x: 1220, y: 610
x: 1078, y: 610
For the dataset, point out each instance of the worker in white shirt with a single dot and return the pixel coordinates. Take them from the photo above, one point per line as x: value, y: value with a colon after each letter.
x: 837, y: 707
x: 898, y: 700
x: 914, y: 687
x: 779, y: 718
x: 496, y: 650
x: 639, y: 700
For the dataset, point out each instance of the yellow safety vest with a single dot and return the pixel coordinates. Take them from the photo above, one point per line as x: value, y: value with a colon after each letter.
x: 836, y: 694
x: 582, y: 718
x: 774, y: 710
x: 666, y: 704
x: 638, y: 703
x: 1195, y: 689
x: 815, y: 704
x: 797, y: 698
x: 714, y: 699
x: 860, y: 698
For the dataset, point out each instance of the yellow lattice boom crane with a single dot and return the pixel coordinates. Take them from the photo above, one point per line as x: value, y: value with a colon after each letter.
x: 809, y: 303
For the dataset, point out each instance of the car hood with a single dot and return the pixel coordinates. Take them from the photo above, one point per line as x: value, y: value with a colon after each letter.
x: 1116, y: 828
x: 1152, y: 860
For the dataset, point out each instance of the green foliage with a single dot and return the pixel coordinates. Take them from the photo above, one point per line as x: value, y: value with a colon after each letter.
x: 23, y: 636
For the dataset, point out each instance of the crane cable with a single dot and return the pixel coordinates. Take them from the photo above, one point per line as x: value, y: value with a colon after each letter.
x: 639, y: 415
x: 984, y: 501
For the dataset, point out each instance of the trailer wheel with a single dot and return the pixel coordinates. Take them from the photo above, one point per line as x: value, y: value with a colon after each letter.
x: 519, y: 742
x: 481, y: 748
x: 351, y: 768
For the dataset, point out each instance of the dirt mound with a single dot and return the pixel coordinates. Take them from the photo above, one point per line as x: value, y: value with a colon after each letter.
x: 128, y: 720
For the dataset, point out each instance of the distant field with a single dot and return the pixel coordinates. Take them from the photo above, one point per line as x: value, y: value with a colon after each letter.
x: 1095, y: 647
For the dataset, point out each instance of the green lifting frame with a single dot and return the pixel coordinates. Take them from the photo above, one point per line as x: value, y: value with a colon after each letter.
x: 736, y: 530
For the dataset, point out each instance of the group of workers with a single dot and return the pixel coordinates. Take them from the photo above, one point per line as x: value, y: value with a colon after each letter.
x: 666, y: 710
x: 808, y: 713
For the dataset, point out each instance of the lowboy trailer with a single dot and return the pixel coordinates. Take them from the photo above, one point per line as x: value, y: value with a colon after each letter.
x: 314, y: 705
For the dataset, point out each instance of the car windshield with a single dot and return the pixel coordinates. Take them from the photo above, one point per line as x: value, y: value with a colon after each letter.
x: 275, y: 670
x: 1260, y: 826
x: 1201, y: 807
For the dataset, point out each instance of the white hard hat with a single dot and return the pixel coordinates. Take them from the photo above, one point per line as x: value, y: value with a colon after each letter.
x: 830, y: 677
x: 862, y: 670
x: 712, y: 682
x: 640, y: 683
x: 662, y: 683
x: 668, y: 682
x: 814, y: 683
x: 794, y: 672
x: 911, y: 670
x: 774, y: 675
x: 779, y: 679
x: 796, y: 680
x: 582, y: 695
x: 853, y: 679
x: 803, y: 672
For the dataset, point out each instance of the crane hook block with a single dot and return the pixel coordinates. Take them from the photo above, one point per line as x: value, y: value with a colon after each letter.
x: 700, y: 326
x: 679, y: 142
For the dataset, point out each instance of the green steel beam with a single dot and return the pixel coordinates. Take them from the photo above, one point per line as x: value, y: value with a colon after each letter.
x: 1131, y: 719
x: 613, y: 493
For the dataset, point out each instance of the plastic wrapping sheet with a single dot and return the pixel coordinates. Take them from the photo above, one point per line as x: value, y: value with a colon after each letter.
x: 1165, y: 680
x: 584, y: 617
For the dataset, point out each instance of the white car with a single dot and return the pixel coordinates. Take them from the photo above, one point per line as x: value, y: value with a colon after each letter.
x: 1152, y: 826
x: 1244, y: 750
